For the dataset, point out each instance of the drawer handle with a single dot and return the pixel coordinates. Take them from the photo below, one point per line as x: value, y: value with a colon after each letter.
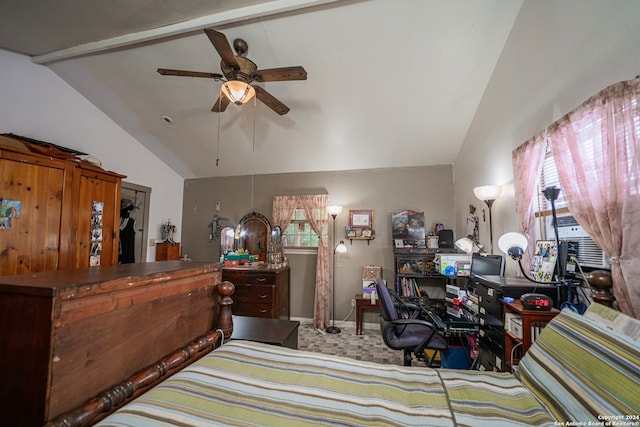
x: 262, y: 311
x: 263, y: 296
x: 261, y: 279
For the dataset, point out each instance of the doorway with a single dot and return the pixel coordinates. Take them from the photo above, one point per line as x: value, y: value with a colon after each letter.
x: 139, y: 196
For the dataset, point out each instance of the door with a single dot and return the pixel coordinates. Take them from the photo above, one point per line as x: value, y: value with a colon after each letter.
x: 139, y: 196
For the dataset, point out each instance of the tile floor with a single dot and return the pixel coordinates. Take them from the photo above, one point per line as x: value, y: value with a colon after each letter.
x: 368, y: 346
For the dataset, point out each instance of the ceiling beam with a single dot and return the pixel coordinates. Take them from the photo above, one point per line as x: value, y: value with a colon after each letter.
x: 236, y: 15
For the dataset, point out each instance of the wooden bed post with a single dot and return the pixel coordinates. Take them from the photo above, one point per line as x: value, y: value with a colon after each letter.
x: 225, y: 319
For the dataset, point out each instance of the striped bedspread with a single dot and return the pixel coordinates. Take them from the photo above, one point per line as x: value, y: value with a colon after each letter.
x: 251, y: 384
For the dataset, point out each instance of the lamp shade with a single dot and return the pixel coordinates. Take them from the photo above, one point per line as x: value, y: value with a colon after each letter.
x: 341, y: 248
x: 465, y: 244
x: 334, y: 210
x: 513, y: 244
x: 487, y: 192
x: 237, y: 91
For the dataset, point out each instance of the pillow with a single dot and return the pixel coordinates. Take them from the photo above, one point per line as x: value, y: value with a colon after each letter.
x: 614, y: 320
x: 582, y: 370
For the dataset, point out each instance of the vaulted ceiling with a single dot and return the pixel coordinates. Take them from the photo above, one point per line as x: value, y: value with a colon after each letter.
x: 390, y: 83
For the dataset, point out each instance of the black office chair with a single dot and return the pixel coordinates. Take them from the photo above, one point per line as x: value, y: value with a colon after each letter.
x: 404, y: 327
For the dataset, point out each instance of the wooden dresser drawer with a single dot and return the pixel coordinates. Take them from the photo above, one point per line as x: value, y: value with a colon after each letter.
x: 253, y: 310
x: 258, y: 294
x: 251, y: 277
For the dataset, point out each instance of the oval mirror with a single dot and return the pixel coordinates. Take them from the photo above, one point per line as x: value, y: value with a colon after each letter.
x: 227, y: 240
x: 255, y: 235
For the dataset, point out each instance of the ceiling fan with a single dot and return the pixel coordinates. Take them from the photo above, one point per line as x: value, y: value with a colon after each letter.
x: 238, y: 73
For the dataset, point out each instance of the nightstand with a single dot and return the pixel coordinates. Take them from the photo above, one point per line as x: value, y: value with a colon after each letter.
x: 362, y: 304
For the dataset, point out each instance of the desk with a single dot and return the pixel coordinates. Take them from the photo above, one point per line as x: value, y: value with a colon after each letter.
x: 453, y: 320
x: 362, y: 304
x: 456, y: 325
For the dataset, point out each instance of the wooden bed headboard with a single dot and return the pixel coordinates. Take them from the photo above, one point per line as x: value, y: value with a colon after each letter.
x: 81, y: 343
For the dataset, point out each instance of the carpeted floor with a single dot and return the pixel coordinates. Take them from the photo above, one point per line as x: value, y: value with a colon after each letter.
x: 368, y: 346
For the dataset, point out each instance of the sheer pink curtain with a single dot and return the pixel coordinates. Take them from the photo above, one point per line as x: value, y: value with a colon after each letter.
x: 315, y: 211
x: 527, y: 163
x: 283, y: 208
x: 602, y: 188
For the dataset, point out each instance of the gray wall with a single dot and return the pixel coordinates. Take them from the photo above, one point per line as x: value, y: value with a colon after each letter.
x: 428, y: 189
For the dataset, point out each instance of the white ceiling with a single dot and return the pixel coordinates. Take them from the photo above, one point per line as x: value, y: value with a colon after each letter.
x: 390, y: 83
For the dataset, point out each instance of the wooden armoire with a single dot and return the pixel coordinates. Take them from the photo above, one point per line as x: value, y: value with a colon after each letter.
x: 66, y: 210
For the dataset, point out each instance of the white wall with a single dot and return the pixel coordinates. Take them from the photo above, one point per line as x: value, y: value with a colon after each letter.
x: 36, y: 103
x: 558, y: 54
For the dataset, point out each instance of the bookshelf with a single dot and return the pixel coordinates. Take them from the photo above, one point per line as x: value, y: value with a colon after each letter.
x: 415, y: 271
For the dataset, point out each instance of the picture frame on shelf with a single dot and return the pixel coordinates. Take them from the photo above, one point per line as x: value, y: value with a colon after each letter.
x: 350, y: 232
x: 408, y: 225
x: 367, y: 233
x: 362, y: 219
x: 410, y: 265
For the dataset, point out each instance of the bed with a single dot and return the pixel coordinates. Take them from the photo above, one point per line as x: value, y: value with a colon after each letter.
x: 580, y: 369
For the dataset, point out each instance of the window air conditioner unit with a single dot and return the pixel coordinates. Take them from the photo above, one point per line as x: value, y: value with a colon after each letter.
x: 589, y: 254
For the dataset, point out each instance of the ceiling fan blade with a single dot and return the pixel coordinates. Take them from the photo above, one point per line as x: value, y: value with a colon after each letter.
x: 221, y: 44
x: 184, y: 73
x: 221, y: 104
x: 280, y: 74
x: 271, y: 101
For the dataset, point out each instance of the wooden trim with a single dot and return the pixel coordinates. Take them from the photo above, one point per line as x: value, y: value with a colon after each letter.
x: 549, y: 212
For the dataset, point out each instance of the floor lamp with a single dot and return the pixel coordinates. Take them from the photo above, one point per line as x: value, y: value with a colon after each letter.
x: 334, y: 211
x: 551, y: 194
x: 488, y: 194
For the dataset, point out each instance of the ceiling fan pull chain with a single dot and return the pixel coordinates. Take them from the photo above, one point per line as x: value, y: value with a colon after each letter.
x: 218, y: 145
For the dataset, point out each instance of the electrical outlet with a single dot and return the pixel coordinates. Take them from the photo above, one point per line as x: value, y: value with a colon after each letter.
x: 353, y: 302
x: 152, y: 242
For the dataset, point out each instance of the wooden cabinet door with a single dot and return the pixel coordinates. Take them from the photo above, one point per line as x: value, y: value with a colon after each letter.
x: 38, y: 240
x: 93, y: 187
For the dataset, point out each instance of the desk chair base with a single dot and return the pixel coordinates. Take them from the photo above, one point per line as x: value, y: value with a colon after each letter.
x: 428, y: 360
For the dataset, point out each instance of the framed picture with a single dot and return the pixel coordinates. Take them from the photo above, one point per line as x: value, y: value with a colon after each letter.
x: 361, y: 219
x: 367, y: 232
x: 410, y: 265
x: 408, y: 226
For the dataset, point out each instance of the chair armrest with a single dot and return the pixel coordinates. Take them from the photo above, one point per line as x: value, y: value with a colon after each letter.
x: 413, y: 322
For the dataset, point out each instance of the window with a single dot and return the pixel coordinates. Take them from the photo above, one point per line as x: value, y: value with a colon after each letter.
x: 589, y: 253
x: 590, y: 139
x: 299, y: 233
x: 548, y: 178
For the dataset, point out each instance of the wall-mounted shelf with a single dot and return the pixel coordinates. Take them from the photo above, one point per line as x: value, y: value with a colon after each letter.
x: 352, y: 234
x: 368, y: 239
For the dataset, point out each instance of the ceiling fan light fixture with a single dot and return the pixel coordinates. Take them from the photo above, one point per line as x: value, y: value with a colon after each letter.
x: 237, y: 91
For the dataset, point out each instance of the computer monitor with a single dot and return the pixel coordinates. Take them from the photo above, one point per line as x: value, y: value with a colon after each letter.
x: 487, y: 265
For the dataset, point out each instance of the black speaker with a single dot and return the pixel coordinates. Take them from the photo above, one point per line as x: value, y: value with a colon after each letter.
x: 445, y: 239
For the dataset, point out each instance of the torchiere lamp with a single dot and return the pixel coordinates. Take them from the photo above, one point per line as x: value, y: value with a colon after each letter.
x: 488, y: 194
x: 334, y: 211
